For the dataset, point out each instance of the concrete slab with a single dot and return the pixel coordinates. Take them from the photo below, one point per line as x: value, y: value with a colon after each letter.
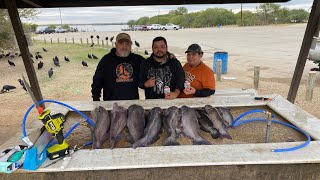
x: 195, y: 156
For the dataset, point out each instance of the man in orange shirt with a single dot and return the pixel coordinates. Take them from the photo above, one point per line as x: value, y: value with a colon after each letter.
x: 199, y: 75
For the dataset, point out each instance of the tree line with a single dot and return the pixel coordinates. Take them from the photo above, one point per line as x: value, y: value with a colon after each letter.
x: 265, y: 14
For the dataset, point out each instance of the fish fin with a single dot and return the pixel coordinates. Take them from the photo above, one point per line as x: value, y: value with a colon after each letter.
x: 201, y: 142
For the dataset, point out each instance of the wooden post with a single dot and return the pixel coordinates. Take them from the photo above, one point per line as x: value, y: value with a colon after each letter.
x: 87, y: 41
x: 44, y: 40
x: 310, y: 85
x: 81, y: 40
x: 65, y: 40
x: 102, y: 43
x: 51, y: 40
x: 256, y: 77
x: 91, y: 40
x: 24, y: 49
x: 219, y: 65
x: 58, y: 41
x: 72, y: 40
x: 107, y: 44
x: 98, y: 41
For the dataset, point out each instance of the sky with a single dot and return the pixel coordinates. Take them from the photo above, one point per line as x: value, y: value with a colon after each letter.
x: 122, y: 14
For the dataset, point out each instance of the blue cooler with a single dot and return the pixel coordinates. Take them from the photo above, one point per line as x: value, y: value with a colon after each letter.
x: 224, y: 58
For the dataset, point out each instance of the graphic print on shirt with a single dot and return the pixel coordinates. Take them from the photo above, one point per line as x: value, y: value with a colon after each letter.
x: 189, y: 77
x: 163, y: 77
x: 124, y: 72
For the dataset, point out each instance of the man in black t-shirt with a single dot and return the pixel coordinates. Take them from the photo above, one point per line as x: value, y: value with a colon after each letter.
x: 161, y: 72
x: 118, y: 72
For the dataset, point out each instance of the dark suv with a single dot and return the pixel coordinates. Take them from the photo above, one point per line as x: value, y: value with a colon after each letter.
x: 45, y: 31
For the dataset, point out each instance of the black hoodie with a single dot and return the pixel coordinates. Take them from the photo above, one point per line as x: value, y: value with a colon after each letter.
x: 169, y: 73
x: 117, y: 76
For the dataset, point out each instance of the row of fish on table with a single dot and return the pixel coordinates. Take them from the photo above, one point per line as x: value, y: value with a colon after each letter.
x: 144, y: 130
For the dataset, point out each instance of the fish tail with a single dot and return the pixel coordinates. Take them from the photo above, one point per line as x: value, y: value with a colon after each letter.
x: 171, y: 141
x: 140, y: 143
x: 201, y: 141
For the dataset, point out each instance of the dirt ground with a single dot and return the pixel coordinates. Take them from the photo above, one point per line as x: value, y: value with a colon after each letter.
x: 274, y: 48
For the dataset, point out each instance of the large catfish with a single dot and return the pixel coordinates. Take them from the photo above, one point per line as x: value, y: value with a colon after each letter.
x: 151, y: 132
x: 135, y: 123
x: 118, y: 122
x: 216, y: 120
x: 206, y: 124
x: 172, y: 122
x: 100, y: 117
x: 190, y: 125
x: 226, y: 116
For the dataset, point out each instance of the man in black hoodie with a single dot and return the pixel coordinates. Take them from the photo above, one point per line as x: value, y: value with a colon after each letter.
x: 160, y: 72
x: 118, y: 72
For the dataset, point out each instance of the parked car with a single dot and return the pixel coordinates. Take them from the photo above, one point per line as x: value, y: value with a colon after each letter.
x: 139, y: 28
x: 154, y: 27
x: 170, y: 26
x: 60, y: 30
x: 45, y: 30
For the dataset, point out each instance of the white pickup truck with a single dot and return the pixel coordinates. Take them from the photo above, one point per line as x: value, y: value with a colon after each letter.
x: 154, y: 27
x: 170, y: 26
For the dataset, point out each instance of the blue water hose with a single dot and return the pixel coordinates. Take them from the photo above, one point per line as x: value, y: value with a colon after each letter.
x: 236, y: 123
x: 51, y: 101
x: 247, y: 113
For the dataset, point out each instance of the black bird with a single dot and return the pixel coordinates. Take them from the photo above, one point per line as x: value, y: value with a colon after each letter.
x: 56, y: 63
x: 1, y: 56
x: 19, y: 55
x: 8, y: 54
x: 39, y: 56
x: 66, y: 59
x: 89, y: 56
x: 146, y: 52
x: 11, y: 56
x: 11, y: 63
x: 94, y: 57
x: 107, y: 38
x: 16, y: 54
x: 98, y: 37
x: 91, y: 36
x: 92, y: 45
x: 84, y: 64
x: 40, y: 65
x: 22, y: 84
x: 56, y: 58
x: 31, y: 55
x: 50, y: 72
x: 44, y: 50
x: 136, y: 43
x: 6, y: 88
x: 111, y: 39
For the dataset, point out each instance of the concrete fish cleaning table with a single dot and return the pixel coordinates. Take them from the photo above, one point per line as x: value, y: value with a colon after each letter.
x: 225, y: 161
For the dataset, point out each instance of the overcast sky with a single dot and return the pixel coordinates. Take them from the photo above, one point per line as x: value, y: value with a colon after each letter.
x: 123, y: 13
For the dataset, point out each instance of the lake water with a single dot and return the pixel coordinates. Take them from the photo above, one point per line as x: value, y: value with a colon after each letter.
x: 97, y: 28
